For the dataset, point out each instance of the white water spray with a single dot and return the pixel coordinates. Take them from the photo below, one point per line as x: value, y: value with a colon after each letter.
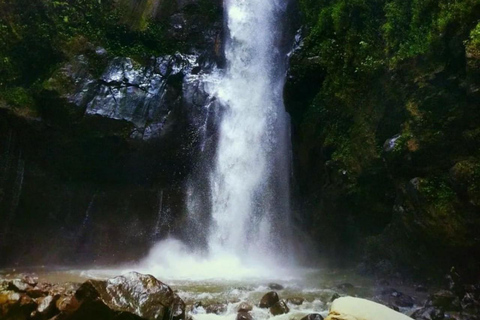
x: 250, y: 176
x: 244, y: 204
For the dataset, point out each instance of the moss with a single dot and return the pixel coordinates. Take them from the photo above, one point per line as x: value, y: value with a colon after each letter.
x: 391, y: 67
x: 20, y: 101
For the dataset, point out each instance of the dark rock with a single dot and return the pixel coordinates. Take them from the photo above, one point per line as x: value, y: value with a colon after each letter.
x: 67, y: 304
x: 420, y: 288
x: 18, y: 285
x: 396, y: 299
x: 30, y: 280
x: 269, y: 299
x: 296, y: 301
x: 132, y: 294
x: 383, y: 282
x: 428, y: 313
x: 469, y: 301
x: 279, y: 308
x: 244, y: 315
x: 345, y: 286
x: 244, y: 307
x: 334, y: 297
x: 446, y: 300
x: 178, y: 309
x: 313, y: 316
x: 36, y: 293
x: 275, y: 286
x: 216, y: 308
x: 15, y: 305
x: 47, y: 306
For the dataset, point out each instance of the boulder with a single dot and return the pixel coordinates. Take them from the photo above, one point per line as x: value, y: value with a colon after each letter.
x: 275, y: 286
x: 269, y: 299
x: 135, y: 294
x: 279, y: 308
x: 428, y: 313
x: 396, y: 299
x: 244, y: 307
x: 19, y: 285
x: 313, y: 316
x: 349, y: 308
x: 216, y: 308
x: 446, y: 300
x: 244, y: 315
x: 14, y: 305
x: 47, y: 306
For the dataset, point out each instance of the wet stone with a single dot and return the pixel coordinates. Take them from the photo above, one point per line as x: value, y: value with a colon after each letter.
x: 244, y: 307
x: 269, y: 299
x: 279, y: 308
x: 429, y: 313
x: 313, y: 316
x: 217, y: 308
x: 446, y: 300
x: 243, y: 315
x: 30, y: 280
x: 67, y: 304
x: 275, y: 286
x: 46, y: 305
x: 19, y: 285
x: 334, y: 297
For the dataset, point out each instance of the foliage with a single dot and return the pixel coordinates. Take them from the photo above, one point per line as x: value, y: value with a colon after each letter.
x: 37, y: 35
x: 388, y: 67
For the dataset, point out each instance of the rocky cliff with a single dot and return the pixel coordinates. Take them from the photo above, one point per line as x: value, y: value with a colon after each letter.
x: 384, y: 101
x: 102, y: 114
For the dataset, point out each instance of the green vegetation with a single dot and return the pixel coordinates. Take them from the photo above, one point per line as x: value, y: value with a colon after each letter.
x: 374, y: 69
x: 36, y: 36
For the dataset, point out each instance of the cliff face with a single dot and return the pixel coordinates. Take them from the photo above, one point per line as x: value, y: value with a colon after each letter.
x: 100, y: 123
x: 384, y: 100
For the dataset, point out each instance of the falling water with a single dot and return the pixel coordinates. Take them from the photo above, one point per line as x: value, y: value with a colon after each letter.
x: 160, y: 219
x: 250, y: 206
x: 245, y: 193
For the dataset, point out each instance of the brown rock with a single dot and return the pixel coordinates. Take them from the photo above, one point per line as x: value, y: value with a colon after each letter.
x: 244, y: 307
x: 279, y: 308
x: 216, y: 308
x: 269, y: 299
x: 275, y: 286
x: 67, y: 304
x: 30, y: 280
x: 313, y: 316
x: 18, y: 285
x: 296, y: 301
x: 133, y: 293
x: 47, y: 306
x: 244, y: 315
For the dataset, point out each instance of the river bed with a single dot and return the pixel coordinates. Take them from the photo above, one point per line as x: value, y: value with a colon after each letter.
x: 308, y: 291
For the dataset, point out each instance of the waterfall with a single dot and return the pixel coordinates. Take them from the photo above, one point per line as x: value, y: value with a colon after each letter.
x: 250, y: 191
x: 238, y: 201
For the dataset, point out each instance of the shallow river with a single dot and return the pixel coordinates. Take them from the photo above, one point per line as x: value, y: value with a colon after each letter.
x: 315, y: 287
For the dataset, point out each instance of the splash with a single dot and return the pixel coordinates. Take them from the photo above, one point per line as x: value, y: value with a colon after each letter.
x: 249, y: 208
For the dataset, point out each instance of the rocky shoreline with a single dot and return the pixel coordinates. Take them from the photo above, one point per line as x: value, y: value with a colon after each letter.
x: 139, y: 296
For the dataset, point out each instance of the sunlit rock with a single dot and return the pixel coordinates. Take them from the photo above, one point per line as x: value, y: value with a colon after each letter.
x: 349, y: 308
x: 134, y: 293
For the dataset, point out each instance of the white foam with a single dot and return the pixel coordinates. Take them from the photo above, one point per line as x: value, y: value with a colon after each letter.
x: 172, y: 259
